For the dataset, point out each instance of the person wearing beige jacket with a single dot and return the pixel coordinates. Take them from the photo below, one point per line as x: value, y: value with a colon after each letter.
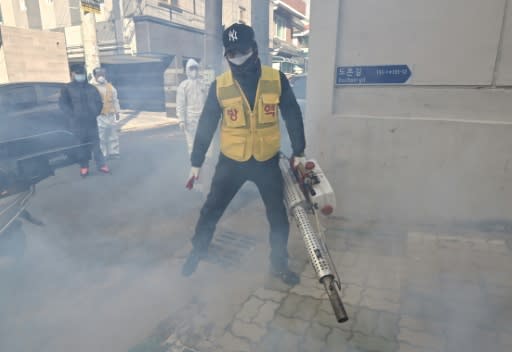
x: 109, y: 117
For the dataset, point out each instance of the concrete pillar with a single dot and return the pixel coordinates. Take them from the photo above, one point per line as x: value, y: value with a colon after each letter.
x: 322, y: 61
x: 213, y: 50
x: 260, y: 24
x: 91, y: 51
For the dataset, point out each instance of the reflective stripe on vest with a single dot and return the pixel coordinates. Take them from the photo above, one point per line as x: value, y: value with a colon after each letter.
x: 108, y: 100
x: 245, y: 133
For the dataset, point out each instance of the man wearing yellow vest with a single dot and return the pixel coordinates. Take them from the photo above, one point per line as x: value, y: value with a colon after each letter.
x: 246, y: 99
x: 107, y: 120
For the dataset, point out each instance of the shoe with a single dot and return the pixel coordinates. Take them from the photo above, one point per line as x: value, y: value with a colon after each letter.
x: 190, y: 265
x: 84, y: 171
x: 286, y: 275
x: 105, y: 169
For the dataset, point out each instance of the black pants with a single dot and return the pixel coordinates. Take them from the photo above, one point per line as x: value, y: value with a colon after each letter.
x: 229, y: 176
x: 91, y: 140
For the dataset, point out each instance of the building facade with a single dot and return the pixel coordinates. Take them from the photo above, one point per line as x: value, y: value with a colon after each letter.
x: 19, y: 47
x: 289, y: 32
x: 236, y: 11
x: 142, y: 40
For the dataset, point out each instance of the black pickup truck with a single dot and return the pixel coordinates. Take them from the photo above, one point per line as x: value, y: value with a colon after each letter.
x: 35, y: 139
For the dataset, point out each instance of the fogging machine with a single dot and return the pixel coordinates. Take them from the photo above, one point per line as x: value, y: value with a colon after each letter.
x: 308, y: 194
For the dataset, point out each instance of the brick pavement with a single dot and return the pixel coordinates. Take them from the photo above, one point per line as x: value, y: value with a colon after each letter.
x: 407, y: 291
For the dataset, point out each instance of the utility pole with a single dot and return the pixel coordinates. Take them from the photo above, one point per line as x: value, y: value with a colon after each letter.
x: 90, y: 44
x: 260, y: 22
x: 213, y: 35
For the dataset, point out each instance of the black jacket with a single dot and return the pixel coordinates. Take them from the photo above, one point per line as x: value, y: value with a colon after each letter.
x: 82, y: 103
x: 248, y: 81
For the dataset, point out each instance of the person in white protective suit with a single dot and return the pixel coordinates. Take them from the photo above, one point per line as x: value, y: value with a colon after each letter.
x: 109, y: 117
x: 190, y: 100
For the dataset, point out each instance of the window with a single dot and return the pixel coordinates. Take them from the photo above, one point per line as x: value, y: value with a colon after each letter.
x: 280, y: 27
x: 74, y: 11
x: 19, y: 98
x: 33, y: 14
x: 49, y: 94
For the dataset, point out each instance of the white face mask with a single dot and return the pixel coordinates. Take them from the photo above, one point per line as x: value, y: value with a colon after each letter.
x: 101, y: 79
x: 240, y: 59
x: 79, y: 77
x: 192, y: 74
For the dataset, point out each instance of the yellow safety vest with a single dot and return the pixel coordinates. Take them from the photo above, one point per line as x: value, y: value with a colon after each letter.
x: 245, y: 133
x: 108, y: 100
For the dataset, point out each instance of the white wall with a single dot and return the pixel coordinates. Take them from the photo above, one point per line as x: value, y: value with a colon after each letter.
x: 231, y: 11
x: 47, y: 10
x: 4, y: 75
x: 8, y: 13
x: 443, y: 41
x: 504, y: 69
x: 13, y: 15
x: 62, y: 13
x: 437, y: 149
x: 33, y: 55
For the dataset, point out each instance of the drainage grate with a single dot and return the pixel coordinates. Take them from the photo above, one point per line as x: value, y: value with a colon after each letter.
x: 228, y: 249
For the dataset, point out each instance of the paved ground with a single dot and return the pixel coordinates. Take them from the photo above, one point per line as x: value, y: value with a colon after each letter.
x: 132, y: 120
x: 103, y: 274
x: 404, y: 291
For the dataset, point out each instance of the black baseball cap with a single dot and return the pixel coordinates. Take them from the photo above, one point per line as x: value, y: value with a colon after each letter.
x: 238, y: 37
x: 78, y: 68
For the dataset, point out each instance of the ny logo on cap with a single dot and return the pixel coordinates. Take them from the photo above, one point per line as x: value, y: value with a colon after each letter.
x: 232, y: 36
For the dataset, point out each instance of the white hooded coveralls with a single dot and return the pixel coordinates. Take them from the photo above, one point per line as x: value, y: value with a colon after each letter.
x: 190, y: 100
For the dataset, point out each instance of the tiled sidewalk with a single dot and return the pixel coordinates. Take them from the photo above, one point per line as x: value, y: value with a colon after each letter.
x: 406, y: 291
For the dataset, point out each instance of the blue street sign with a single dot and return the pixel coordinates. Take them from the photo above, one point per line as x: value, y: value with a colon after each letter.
x: 384, y: 74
